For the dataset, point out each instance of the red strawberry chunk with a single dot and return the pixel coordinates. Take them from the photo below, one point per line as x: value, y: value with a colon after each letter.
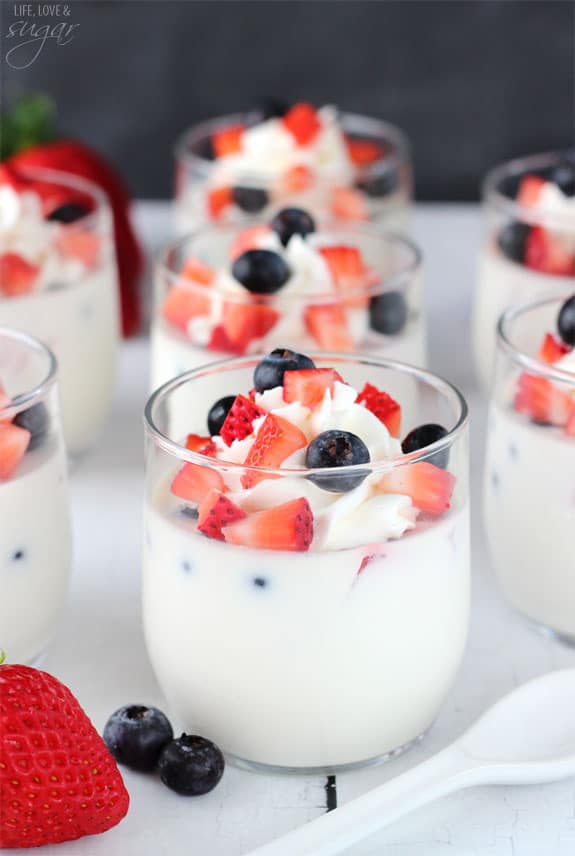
x: 530, y: 189
x: 285, y: 527
x: 277, y: 439
x: 308, y: 386
x: 363, y: 152
x: 220, y: 342
x: 216, y: 511
x: 302, y: 122
x: 570, y: 427
x: 429, y: 487
x: 542, y: 400
x: 228, y: 141
x: 13, y: 444
x: 327, y: 323
x: 17, y: 276
x: 383, y: 406
x: 184, y: 302
x: 80, y: 244
x: 348, y: 204
x: 238, y: 423
x: 197, y: 271
x: 218, y: 200
x: 552, y: 349
x: 193, y: 482
x: 244, y: 322
x: 252, y: 238
x: 297, y: 179
x: 201, y: 445
x: 547, y: 253
x: 348, y: 272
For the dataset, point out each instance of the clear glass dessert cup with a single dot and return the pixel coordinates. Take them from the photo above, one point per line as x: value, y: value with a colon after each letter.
x: 78, y: 318
x: 35, y: 538
x: 385, y: 186
x: 395, y: 297
x: 502, y: 280
x: 529, y: 508
x: 304, y: 661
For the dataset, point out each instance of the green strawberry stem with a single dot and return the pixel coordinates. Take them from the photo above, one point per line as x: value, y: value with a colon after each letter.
x: 30, y: 120
x: 2, y: 655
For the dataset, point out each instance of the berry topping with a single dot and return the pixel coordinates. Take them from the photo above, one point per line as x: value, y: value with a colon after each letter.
x: 383, y: 406
x: 425, y: 435
x: 35, y: 420
x: 542, y: 400
x: 566, y: 322
x: 284, y: 527
x: 184, y: 302
x: 292, y: 221
x: 193, y: 482
x: 327, y: 323
x: 201, y: 445
x: 17, y: 276
x: 135, y: 735
x: 363, y: 152
x: 218, y: 199
x: 13, y: 444
x: 429, y: 487
x: 81, y: 244
x: 238, y: 422
x: 388, y: 312
x: 297, y: 179
x: 252, y: 238
x: 348, y: 204
x: 228, y: 141
x: 302, y: 122
x: 530, y: 189
x: 277, y: 439
x: 308, y: 386
x: 218, y: 412
x: 244, y: 322
x: 69, y: 212
x: 347, y: 272
x: 197, y: 271
x: 250, y: 199
x: 548, y: 253
x: 564, y: 177
x: 337, y: 449
x: 552, y: 349
x: 261, y: 271
x: 512, y: 240
x: 216, y: 511
x: 191, y: 765
x: 270, y: 372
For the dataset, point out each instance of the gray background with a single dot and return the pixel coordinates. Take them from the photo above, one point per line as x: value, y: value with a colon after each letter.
x: 472, y: 82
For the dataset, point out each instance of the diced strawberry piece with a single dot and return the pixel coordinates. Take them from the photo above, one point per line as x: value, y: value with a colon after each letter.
x: 383, y: 406
x: 429, y: 487
x: 297, y: 179
x: 348, y: 272
x: 17, y: 276
x: 570, y: 427
x: 302, y: 122
x: 530, y: 189
x: 327, y: 323
x: 363, y: 152
x: 228, y: 141
x: 10, y: 177
x: 183, y: 303
x: 238, y: 423
x: 348, y: 204
x: 197, y: 271
x: 277, y: 439
x: 13, y: 444
x: 193, y: 482
x: 547, y: 253
x: 252, y: 238
x: 542, y: 400
x: 216, y: 511
x: 219, y: 341
x: 81, y: 244
x: 552, y: 349
x: 308, y: 386
x: 284, y: 527
x: 201, y: 445
x: 218, y: 200
x: 244, y: 322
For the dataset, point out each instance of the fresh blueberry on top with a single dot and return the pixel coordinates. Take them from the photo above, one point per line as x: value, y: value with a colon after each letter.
x: 218, y: 412
x: 204, y: 148
x: 250, y: 199
x: 292, y: 221
x: 566, y: 322
x: 35, y: 420
x: 336, y: 448
x: 261, y: 271
x: 388, y: 312
x: 564, y: 177
x: 68, y: 213
x: 191, y: 765
x: 378, y: 184
x: 425, y: 435
x: 136, y: 734
x: 270, y: 371
x: 512, y: 240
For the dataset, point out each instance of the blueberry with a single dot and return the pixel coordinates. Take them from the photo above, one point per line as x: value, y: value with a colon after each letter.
x: 270, y: 371
x: 379, y: 184
x: 135, y: 735
x: 566, y: 321
x: 204, y: 148
x: 273, y: 108
x: 218, y: 413
x: 68, y: 213
x: 388, y: 312
x: 250, y: 199
x: 261, y: 271
x: 337, y: 449
x: 512, y: 240
x: 292, y: 221
x: 564, y: 177
x: 35, y: 420
x: 191, y: 765
x: 425, y: 435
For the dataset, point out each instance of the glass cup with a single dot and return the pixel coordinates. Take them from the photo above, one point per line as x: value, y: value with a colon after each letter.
x: 528, y: 485
x: 393, y: 303
x: 384, y: 188
x: 504, y: 279
x: 73, y: 304
x: 35, y: 539
x: 314, y: 660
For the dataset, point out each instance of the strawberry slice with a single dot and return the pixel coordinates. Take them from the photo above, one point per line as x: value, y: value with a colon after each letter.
x: 383, y: 406
x: 285, y: 527
x: 13, y: 444
x: 216, y: 511
x: 277, y: 439
x: 17, y: 276
x: 530, y: 189
x: 297, y: 179
x: 218, y: 200
x: 228, y: 141
x: 348, y: 203
x: 197, y: 271
x: 570, y: 427
x: 549, y: 254
x: 308, y: 386
x: 193, y: 482
x: 302, y: 122
x: 244, y: 322
x: 81, y: 244
x: 348, y: 272
x: 252, y: 238
x: 552, y: 349
x: 327, y: 323
x: 429, y: 487
x: 183, y: 303
x: 542, y: 400
x: 363, y: 152
x: 238, y: 423
x: 201, y: 445
x: 220, y: 342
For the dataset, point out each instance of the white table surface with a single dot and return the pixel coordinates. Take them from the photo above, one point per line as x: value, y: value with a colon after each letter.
x: 100, y: 651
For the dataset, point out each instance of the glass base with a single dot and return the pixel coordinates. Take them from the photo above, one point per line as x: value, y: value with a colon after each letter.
x: 271, y: 769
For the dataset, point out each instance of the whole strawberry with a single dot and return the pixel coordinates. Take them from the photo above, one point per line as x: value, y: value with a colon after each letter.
x: 57, y: 779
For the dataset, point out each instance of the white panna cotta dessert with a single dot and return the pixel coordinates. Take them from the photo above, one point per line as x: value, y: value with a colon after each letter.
x: 58, y: 282
x: 528, y: 494
x: 306, y: 572
x: 529, y: 246
x: 335, y: 165
x: 35, y: 539
x: 229, y: 290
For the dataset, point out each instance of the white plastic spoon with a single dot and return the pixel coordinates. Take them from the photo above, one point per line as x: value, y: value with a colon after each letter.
x: 528, y: 737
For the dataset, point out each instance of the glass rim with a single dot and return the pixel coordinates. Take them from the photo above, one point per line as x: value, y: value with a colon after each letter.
x: 394, y: 282
x: 26, y: 399
x: 522, y: 166
x: 76, y: 182
x: 532, y: 364
x: 184, y: 455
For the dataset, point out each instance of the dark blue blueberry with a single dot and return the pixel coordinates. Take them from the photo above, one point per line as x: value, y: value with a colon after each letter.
x: 425, y: 435
x: 566, y: 322
x: 35, y: 420
x: 512, y: 240
x: 260, y: 582
x: 337, y: 449
x: 204, y: 148
x: 250, y: 199
x: 292, y: 221
x: 68, y: 213
x: 188, y: 511
x: 18, y: 555
x: 564, y: 177
x: 191, y: 765
x: 378, y: 183
x: 388, y: 312
x: 270, y: 371
x: 261, y: 271
x: 218, y: 413
x: 136, y: 734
